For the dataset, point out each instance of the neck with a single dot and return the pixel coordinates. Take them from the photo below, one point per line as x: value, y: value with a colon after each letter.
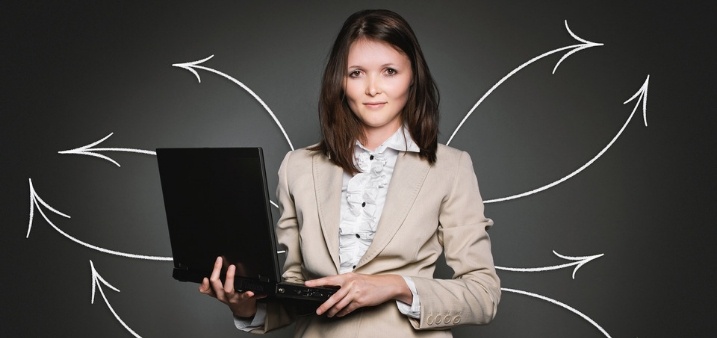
x: 373, y: 138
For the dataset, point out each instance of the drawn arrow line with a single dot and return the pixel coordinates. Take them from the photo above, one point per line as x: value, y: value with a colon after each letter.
x: 576, y: 48
x: 84, y: 151
x: 96, y: 280
x: 36, y: 201
x: 641, y: 96
x: 89, y: 151
x: 563, y: 305
x: 196, y: 64
x: 579, y: 262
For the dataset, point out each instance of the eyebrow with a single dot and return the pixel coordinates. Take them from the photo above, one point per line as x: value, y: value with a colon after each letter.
x: 382, y: 66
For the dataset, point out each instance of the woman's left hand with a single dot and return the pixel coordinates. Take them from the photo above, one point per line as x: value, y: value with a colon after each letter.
x: 359, y: 290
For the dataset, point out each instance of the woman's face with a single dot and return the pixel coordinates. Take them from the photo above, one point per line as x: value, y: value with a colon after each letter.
x: 377, y: 86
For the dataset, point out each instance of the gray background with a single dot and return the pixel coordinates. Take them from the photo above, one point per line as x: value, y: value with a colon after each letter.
x: 73, y: 72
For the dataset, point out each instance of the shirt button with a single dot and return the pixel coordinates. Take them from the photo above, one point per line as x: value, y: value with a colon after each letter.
x: 371, y: 158
x: 363, y: 204
x: 358, y: 236
x: 354, y: 267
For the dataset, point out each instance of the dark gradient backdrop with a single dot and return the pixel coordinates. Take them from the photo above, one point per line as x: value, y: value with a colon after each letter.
x: 75, y: 71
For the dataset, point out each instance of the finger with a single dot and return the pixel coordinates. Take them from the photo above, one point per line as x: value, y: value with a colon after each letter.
x: 331, y: 302
x: 215, y: 280
x: 251, y: 294
x: 229, y: 280
x: 330, y: 280
x: 245, y: 296
x: 348, y: 304
x: 204, y: 287
x: 341, y: 306
x: 216, y: 272
x: 348, y: 309
x: 327, y: 305
x: 314, y: 282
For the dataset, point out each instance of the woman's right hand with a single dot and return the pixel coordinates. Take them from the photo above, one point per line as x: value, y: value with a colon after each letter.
x: 242, y: 304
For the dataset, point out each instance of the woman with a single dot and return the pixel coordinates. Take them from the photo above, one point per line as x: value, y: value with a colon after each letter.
x: 372, y: 206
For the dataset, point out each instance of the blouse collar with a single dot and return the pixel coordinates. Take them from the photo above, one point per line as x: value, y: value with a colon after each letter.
x: 400, y: 140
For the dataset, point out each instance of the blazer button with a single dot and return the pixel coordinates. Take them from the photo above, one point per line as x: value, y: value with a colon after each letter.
x: 429, y: 320
x: 439, y: 318
x: 457, y: 320
x: 447, y: 320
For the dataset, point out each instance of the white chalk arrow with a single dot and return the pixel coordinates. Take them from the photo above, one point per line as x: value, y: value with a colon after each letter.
x: 36, y: 201
x: 573, y: 49
x: 192, y: 66
x: 96, y: 280
x: 563, y: 305
x: 578, y: 262
x: 641, y: 96
x: 89, y: 151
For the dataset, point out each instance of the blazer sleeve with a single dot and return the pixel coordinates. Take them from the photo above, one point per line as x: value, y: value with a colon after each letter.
x: 280, y: 314
x: 287, y: 228
x: 472, y: 296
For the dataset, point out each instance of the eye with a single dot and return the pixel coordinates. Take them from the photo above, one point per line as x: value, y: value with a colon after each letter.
x: 391, y: 71
x: 354, y: 73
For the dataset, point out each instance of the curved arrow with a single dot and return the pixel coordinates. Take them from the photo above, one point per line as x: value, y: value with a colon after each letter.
x: 641, y: 96
x: 190, y: 66
x: 578, y: 262
x: 89, y: 151
x: 35, y: 202
x: 575, y: 48
x: 96, y: 280
x: 565, y: 306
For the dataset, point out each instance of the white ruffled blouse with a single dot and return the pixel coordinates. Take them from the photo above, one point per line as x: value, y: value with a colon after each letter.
x: 364, y: 195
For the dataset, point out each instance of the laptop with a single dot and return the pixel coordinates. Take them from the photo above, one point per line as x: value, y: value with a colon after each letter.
x: 217, y: 204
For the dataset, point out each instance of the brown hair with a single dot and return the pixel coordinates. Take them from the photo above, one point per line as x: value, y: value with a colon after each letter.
x: 340, y: 128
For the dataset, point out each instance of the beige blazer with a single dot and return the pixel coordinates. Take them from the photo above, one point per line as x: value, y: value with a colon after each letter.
x: 429, y: 209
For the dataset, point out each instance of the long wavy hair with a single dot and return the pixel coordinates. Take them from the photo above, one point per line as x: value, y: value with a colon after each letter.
x: 340, y: 128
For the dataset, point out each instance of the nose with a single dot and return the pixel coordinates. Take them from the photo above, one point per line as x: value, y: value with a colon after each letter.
x: 373, y: 85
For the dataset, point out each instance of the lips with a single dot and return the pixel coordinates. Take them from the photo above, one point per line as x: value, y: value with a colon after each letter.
x: 374, y: 105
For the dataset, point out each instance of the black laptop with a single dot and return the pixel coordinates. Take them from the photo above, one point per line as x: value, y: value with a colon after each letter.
x: 217, y: 204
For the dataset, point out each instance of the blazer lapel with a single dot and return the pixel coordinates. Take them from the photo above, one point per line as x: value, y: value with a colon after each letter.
x: 406, y: 182
x: 328, y: 180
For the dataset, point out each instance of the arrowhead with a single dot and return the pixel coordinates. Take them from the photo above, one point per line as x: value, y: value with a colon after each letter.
x: 641, y: 95
x: 584, y: 45
x: 34, y: 199
x: 96, y: 280
x: 87, y: 150
x: 190, y: 66
x: 583, y: 260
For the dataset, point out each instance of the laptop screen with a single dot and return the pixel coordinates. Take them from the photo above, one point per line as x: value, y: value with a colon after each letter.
x: 217, y: 204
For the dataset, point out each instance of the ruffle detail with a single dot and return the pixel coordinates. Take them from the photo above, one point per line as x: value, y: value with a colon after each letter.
x: 364, y: 196
x: 363, y: 189
x: 358, y: 226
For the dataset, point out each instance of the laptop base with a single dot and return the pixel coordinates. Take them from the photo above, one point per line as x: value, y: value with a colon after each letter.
x: 271, y: 290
